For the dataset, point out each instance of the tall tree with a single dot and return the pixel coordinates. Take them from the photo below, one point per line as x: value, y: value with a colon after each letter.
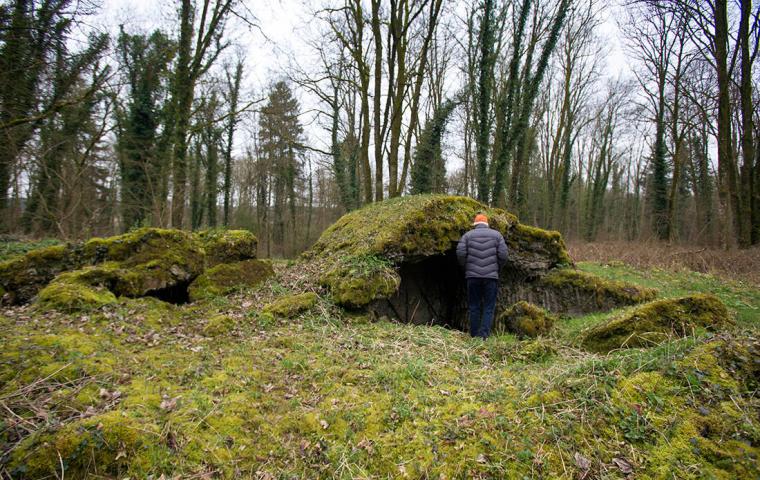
x: 192, y: 62
x: 145, y: 62
x: 38, y: 73
x: 486, y: 62
x: 429, y: 168
x: 233, y: 93
x: 280, y: 132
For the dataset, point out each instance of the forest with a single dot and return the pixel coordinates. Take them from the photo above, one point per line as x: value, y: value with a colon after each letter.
x: 633, y: 122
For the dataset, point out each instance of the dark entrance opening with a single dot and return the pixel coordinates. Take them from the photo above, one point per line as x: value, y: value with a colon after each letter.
x: 176, y: 294
x: 432, y: 292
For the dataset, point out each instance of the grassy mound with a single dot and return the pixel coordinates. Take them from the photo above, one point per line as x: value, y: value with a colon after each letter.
x: 360, y: 253
x: 654, y: 322
x: 142, y: 388
x: 291, y: 305
x: 226, y: 278
x: 525, y: 320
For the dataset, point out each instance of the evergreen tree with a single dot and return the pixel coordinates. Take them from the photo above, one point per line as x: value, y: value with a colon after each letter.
x: 429, y: 168
x: 145, y: 61
x: 280, y: 133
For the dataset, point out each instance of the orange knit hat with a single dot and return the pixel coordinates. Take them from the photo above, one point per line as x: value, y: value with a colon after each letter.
x: 480, y: 218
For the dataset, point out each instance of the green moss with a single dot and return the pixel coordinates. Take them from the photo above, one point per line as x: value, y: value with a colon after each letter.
x: 22, y: 277
x: 291, y: 305
x: 227, y: 246
x: 78, y: 290
x: 140, y: 245
x: 148, y: 259
x: 725, y: 365
x: 539, y: 244
x: 138, y: 262
x: 110, y: 443
x: 654, y: 322
x: 526, y: 320
x: 386, y: 234
x: 360, y: 280
x: 228, y: 277
x: 219, y: 325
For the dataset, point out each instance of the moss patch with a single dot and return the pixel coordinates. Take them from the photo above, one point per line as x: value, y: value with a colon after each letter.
x: 226, y: 278
x: 525, y: 320
x: 219, y: 325
x: 654, y: 322
x: 227, y: 246
x: 22, y: 277
x: 78, y: 290
x: 291, y: 305
x: 110, y: 441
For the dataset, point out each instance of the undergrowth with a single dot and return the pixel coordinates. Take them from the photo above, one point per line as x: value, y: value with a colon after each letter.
x: 218, y: 389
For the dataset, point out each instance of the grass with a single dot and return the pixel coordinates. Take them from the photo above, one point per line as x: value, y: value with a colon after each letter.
x: 147, y: 389
x: 741, y: 297
x: 14, y: 248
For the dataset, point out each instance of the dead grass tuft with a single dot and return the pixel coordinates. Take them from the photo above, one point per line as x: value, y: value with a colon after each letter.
x: 742, y: 265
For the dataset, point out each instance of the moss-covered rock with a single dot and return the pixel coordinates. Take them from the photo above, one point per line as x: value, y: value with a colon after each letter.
x: 22, y: 277
x: 574, y: 291
x: 376, y: 239
x: 361, y: 280
x: 227, y: 246
x: 112, y: 441
x: 226, y: 278
x: 656, y: 321
x: 83, y: 289
x: 157, y: 257
x: 135, y: 264
x: 525, y: 320
x: 291, y: 305
x: 535, y: 250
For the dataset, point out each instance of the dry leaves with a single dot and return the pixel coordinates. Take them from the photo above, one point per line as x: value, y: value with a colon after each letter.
x: 623, y: 465
x: 583, y: 464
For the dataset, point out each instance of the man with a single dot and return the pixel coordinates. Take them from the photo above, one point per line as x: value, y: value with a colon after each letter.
x: 482, y: 252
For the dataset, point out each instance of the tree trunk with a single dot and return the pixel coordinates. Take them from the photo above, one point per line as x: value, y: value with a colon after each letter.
x: 728, y: 192
x: 748, y: 145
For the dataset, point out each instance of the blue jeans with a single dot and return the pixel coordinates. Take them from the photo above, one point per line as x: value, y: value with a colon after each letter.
x: 481, y: 298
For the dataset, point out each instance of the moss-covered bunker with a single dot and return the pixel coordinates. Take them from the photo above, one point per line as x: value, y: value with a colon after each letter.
x: 397, y: 259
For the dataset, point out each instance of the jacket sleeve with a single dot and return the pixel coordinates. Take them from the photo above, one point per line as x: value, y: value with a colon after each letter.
x: 501, y: 252
x: 462, y: 250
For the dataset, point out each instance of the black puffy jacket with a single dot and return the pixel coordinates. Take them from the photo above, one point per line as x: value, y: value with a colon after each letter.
x: 482, y: 252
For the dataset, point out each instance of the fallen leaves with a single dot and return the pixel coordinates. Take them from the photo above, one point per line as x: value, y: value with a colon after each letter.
x: 623, y: 465
x: 168, y: 404
x: 583, y: 464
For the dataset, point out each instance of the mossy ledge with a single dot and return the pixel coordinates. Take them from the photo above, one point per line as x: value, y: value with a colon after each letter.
x: 571, y: 291
x: 22, y: 277
x: 525, y: 320
x: 225, y: 278
x: 145, y: 261
x: 654, y: 322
